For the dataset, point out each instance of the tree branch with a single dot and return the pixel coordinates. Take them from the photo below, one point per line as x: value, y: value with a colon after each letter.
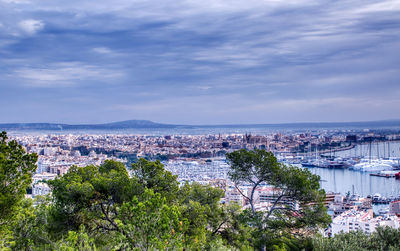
x: 220, y: 225
x: 287, y: 208
x: 252, y: 196
x: 240, y: 191
x: 274, y: 205
x: 107, y: 218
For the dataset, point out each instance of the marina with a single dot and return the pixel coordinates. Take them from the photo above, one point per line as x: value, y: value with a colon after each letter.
x: 343, y: 180
x: 365, y: 184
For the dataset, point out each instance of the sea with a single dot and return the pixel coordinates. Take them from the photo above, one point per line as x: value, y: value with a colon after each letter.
x: 257, y: 129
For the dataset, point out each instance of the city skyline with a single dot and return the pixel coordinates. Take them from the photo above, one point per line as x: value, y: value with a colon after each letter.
x: 189, y: 62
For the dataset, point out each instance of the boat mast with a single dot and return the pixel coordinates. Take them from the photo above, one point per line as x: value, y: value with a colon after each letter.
x: 377, y: 148
x: 370, y: 147
x: 384, y: 149
x: 316, y: 151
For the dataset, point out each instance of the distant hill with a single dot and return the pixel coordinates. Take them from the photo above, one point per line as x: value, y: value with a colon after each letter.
x: 108, y: 126
x: 146, y: 124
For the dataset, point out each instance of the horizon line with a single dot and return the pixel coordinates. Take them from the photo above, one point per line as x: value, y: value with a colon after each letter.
x: 227, y: 124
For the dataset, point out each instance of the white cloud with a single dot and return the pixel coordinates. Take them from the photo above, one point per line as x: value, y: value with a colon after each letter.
x: 392, y: 5
x: 102, y: 50
x: 15, y: 1
x: 31, y: 26
x: 65, y: 74
x: 204, y: 87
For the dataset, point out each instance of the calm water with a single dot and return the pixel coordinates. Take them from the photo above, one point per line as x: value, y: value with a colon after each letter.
x: 228, y: 129
x: 342, y: 181
x: 161, y: 131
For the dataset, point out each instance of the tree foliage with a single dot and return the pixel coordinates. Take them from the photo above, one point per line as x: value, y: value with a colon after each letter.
x: 90, y: 196
x: 384, y: 238
x: 291, y: 186
x: 16, y: 169
x: 150, y: 223
x: 152, y: 175
x: 143, y: 208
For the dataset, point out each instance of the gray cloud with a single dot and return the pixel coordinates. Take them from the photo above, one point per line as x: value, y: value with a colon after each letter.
x: 201, y: 62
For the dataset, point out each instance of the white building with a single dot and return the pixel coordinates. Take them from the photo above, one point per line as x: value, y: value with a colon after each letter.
x: 38, y: 186
x: 353, y: 220
x: 43, y: 176
x: 43, y: 165
x: 40, y: 189
x: 265, y: 196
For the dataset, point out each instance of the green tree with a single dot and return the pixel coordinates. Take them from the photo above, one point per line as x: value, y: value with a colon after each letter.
x: 16, y: 170
x: 201, y: 207
x: 292, y: 185
x: 384, y: 239
x: 106, y: 200
x: 29, y: 230
x: 229, y: 226
x: 150, y: 223
x: 387, y: 238
x: 90, y: 196
x: 210, y: 222
x: 76, y: 241
x: 152, y: 175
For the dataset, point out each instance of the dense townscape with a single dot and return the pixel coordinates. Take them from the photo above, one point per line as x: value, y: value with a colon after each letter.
x: 200, y: 159
x: 200, y: 146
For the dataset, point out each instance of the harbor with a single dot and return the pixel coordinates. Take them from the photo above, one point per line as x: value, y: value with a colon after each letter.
x: 342, y: 181
x: 339, y: 172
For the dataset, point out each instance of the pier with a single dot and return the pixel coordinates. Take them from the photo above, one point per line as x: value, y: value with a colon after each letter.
x: 384, y: 175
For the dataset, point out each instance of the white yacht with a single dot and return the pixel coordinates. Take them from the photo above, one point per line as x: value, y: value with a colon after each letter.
x: 372, y: 165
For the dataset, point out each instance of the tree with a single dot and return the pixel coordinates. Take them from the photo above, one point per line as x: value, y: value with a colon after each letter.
x: 16, y: 170
x: 209, y: 222
x: 112, y: 208
x: 384, y: 238
x: 76, y: 241
x: 152, y: 175
x: 201, y: 207
x: 150, y: 223
x: 230, y: 228
x: 120, y: 210
x: 291, y: 185
x: 91, y: 196
x: 29, y: 230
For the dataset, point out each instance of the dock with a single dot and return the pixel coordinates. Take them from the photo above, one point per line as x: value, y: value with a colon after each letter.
x: 384, y: 175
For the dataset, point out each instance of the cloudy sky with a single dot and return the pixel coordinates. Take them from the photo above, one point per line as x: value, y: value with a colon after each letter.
x: 199, y: 62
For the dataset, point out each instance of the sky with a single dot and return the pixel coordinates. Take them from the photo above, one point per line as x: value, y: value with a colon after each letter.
x: 199, y: 62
